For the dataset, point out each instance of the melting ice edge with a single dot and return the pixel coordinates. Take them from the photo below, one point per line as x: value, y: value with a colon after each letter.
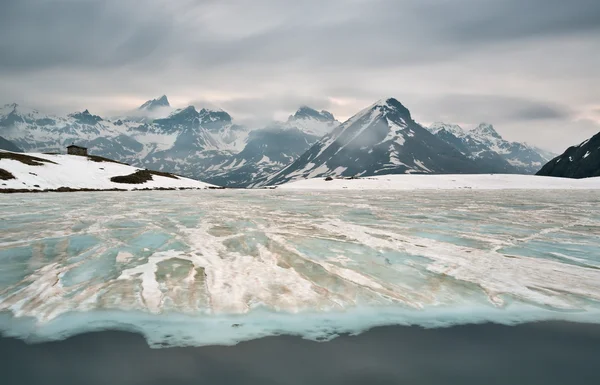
x: 219, y: 267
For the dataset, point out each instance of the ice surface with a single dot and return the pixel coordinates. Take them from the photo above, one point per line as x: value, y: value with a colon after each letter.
x: 218, y: 267
x: 445, y: 182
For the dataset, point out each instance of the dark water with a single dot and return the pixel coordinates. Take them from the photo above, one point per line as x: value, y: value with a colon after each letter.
x: 542, y: 353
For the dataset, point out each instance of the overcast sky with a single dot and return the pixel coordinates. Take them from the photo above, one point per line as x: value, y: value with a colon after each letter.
x: 530, y: 67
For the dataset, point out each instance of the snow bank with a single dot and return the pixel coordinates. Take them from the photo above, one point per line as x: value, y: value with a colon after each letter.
x: 79, y: 172
x: 446, y: 182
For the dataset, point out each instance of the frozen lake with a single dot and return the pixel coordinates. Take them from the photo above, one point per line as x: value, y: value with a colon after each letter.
x: 218, y: 267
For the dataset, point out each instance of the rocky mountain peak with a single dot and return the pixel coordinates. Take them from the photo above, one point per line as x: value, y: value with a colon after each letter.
x: 155, y: 103
x: 391, y: 106
x: 85, y: 117
x: 454, y: 129
x: 305, y: 112
x: 213, y: 116
x: 485, y: 129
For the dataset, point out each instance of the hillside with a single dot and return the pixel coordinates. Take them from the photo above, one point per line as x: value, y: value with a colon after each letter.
x: 582, y: 161
x: 39, y: 172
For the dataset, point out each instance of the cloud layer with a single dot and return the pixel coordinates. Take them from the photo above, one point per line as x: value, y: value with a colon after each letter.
x: 530, y: 67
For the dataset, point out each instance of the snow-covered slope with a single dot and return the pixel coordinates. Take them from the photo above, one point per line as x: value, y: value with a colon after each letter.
x: 78, y: 172
x: 445, y: 182
x: 493, y: 153
x: 381, y: 139
x: 582, y: 161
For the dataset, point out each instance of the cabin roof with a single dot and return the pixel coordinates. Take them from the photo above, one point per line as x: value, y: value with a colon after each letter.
x: 75, y: 146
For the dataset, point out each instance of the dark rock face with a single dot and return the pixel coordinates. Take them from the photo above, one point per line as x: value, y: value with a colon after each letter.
x: 382, y: 139
x: 581, y: 161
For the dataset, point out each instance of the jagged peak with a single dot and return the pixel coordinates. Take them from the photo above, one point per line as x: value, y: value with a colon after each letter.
x: 184, y: 111
x: 308, y: 112
x: 391, y: 105
x: 454, y: 129
x: 212, y: 115
x: 486, y: 129
x: 155, y: 103
x: 85, y: 117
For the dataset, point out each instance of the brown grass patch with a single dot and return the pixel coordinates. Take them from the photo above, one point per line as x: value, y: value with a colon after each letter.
x: 26, y: 159
x: 165, y: 174
x: 96, y: 158
x: 5, y: 175
x: 140, y: 176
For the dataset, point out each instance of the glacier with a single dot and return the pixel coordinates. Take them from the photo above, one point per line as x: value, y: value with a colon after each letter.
x: 191, y: 268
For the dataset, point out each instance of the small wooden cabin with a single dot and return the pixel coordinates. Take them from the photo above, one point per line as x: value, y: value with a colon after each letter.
x: 77, y: 150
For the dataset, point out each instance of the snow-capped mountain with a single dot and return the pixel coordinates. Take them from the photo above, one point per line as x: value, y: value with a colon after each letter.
x: 204, y: 144
x: 207, y: 144
x: 34, y: 131
x: 228, y: 135
x: 154, y: 104
x: 381, y: 139
x: 582, y: 161
x: 489, y: 160
x: 493, y: 153
x: 520, y: 155
x: 267, y: 151
x: 313, y: 122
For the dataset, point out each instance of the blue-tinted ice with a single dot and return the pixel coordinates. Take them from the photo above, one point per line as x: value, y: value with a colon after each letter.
x: 222, y: 266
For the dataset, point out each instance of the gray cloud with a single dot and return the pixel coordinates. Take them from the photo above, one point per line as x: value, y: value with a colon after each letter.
x: 474, y: 108
x: 511, y: 61
x: 541, y: 112
x: 516, y: 19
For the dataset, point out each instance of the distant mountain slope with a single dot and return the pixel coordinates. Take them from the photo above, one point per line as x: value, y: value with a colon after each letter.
x: 267, y: 151
x: 582, y: 161
x: 382, y: 139
x: 313, y: 122
x: 490, y: 150
x: 34, y: 171
x: 8, y: 145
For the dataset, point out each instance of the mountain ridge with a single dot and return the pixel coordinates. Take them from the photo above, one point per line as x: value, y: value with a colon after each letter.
x: 581, y: 161
x: 208, y: 143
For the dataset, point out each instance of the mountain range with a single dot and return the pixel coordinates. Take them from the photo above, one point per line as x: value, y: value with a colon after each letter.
x: 207, y: 144
x: 490, y: 150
